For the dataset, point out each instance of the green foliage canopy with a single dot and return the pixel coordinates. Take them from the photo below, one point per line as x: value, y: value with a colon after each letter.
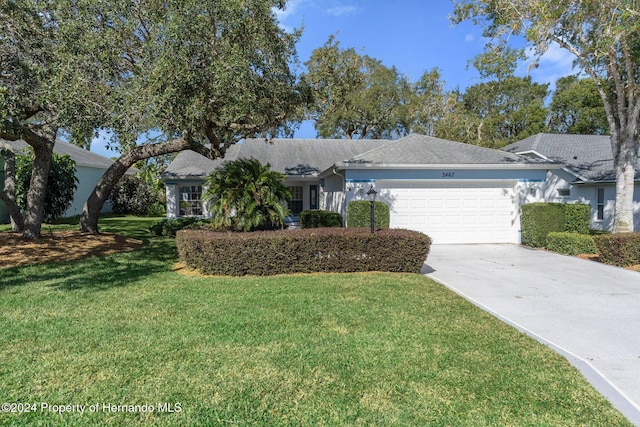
x: 356, y: 96
x: 576, y: 108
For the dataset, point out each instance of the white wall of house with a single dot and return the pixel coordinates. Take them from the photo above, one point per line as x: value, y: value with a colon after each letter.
x: 558, y: 188
x: 88, y: 177
x: 171, y: 192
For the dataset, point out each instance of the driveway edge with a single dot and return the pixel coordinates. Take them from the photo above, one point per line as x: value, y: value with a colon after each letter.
x: 605, y: 387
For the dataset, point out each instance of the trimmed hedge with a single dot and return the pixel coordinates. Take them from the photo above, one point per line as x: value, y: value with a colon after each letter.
x: 621, y: 249
x: 359, y: 214
x: 571, y: 243
x: 540, y: 219
x: 318, y: 218
x: 577, y: 218
x: 169, y: 226
x: 336, y: 250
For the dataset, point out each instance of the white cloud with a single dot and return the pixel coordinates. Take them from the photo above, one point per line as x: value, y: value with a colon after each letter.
x: 342, y: 10
x: 290, y: 8
x: 469, y: 38
x: 555, y: 63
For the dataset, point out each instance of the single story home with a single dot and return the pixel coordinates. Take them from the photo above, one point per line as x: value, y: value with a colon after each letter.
x: 89, y: 169
x: 587, y: 175
x: 454, y: 192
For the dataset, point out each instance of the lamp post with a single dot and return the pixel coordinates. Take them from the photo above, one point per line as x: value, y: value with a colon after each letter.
x: 371, y: 195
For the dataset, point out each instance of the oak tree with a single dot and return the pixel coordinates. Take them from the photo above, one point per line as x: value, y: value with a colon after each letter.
x: 604, y: 38
x: 200, y: 74
x: 355, y: 96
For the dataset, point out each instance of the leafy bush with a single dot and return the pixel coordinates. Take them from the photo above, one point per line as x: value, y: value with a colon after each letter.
x: 621, y: 249
x: 359, y: 214
x: 131, y: 195
x: 265, y: 253
x: 540, y: 219
x: 571, y: 243
x: 577, y: 218
x: 318, y: 218
x: 169, y: 226
x: 247, y: 195
x: 61, y: 184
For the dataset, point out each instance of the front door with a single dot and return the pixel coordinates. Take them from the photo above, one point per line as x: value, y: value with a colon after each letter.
x: 313, y: 197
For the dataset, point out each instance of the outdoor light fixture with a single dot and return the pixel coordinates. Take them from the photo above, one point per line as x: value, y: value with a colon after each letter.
x: 371, y: 195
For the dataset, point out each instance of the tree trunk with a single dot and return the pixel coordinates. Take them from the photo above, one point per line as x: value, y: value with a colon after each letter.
x: 37, y: 190
x: 625, y: 175
x: 8, y: 196
x: 100, y: 194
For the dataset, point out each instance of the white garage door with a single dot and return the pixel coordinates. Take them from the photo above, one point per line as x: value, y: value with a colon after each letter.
x: 454, y: 212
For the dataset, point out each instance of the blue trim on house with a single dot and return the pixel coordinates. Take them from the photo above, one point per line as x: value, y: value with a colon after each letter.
x: 368, y: 181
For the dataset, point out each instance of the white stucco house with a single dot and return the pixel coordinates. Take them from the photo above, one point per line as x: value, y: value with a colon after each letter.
x: 89, y: 168
x: 454, y: 192
x: 587, y: 175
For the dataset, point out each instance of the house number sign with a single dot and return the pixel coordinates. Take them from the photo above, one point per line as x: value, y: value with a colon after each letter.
x: 448, y: 174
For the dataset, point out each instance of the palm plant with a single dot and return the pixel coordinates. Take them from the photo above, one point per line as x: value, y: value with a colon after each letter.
x: 246, y: 195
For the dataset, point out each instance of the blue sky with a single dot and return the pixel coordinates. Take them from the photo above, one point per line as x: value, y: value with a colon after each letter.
x: 412, y: 35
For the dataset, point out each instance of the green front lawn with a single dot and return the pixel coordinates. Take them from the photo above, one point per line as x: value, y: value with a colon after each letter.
x: 323, y: 349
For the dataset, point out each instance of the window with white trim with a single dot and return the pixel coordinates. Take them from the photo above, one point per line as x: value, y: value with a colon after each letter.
x: 190, y: 200
x: 564, y: 192
x: 297, y: 199
x: 599, y: 204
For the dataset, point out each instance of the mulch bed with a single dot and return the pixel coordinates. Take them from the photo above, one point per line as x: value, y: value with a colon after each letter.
x: 60, y: 246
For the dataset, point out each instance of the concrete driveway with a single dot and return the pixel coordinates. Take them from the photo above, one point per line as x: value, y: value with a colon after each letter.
x: 586, y: 311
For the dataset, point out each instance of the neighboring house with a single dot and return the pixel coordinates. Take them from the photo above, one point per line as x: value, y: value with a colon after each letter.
x: 454, y: 192
x: 587, y: 176
x: 89, y: 169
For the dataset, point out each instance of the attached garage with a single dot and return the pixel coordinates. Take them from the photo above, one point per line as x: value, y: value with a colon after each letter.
x: 454, y: 212
x: 453, y: 192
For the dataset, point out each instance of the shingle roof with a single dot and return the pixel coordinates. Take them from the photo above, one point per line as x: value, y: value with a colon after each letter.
x: 81, y: 156
x: 588, y: 156
x: 294, y: 157
x: 421, y: 150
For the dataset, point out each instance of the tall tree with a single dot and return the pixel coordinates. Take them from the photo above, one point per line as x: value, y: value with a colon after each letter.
x: 506, y: 110
x: 355, y: 96
x: 194, y: 72
x: 48, y: 81
x: 604, y: 37
x: 576, y: 108
x: 430, y: 104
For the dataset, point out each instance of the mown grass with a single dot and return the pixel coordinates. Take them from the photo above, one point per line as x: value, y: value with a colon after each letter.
x: 348, y: 349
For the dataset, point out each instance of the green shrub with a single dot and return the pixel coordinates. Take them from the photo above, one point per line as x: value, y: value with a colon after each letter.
x: 169, y: 226
x: 318, y: 218
x: 570, y: 243
x: 577, y: 218
x: 157, y: 209
x: 131, y: 195
x: 265, y: 253
x: 540, y: 219
x: 359, y: 214
x: 621, y: 249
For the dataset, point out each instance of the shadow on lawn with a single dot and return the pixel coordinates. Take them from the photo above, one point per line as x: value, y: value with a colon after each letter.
x: 97, y: 273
